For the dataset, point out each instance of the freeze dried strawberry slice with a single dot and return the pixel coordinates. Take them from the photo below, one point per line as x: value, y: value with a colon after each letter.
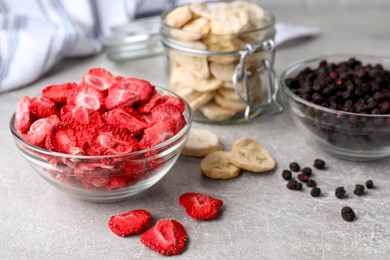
x: 39, y: 129
x: 200, y: 206
x: 157, y: 134
x: 109, y: 140
x: 98, y: 78
x: 158, y: 99
x: 22, y: 114
x: 135, y: 169
x: 117, y: 182
x: 59, y: 93
x: 167, y: 237
x: 97, y: 177
x: 76, y: 115
x: 43, y: 107
x: 168, y: 112
x: 154, y: 101
x: 177, y: 102
x: 128, y: 92
x: 130, y: 223
x: 120, y: 118
x: 88, y: 97
x: 64, y: 139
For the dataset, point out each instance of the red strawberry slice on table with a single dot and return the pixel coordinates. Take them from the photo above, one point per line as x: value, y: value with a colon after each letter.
x: 59, y: 93
x: 43, y: 107
x: 167, y: 237
x: 88, y: 97
x: 39, y: 130
x: 129, y: 92
x: 200, y: 206
x: 23, y: 114
x: 130, y: 223
x: 98, y: 78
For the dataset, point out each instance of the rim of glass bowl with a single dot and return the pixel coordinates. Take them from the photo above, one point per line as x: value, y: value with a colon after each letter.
x: 270, y: 18
x: 301, y: 64
x: 177, y: 136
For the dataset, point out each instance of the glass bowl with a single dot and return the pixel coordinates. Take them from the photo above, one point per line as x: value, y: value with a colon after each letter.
x: 106, y: 178
x: 347, y: 135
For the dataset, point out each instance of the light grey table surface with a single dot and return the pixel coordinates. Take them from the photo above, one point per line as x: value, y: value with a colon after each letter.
x: 261, y: 219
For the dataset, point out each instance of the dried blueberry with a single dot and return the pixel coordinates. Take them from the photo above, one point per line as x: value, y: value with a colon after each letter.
x: 340, y: 192
x: 307, y: 171
x: 294, y: 185
x: 315, y: 192
x: 319, y: 164
x: 311, y: 183
x: 295, y: 167
x: 286, y: 174
x: 302, y: 177
x: 359, y: 189
x: 369, y: 184
x: 347, y: 214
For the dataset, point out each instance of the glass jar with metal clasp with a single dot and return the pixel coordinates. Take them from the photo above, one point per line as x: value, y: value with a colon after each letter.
x: 225, y: 76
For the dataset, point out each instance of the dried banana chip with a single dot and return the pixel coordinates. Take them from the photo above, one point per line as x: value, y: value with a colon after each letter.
x: 201, y: 142
x: 248, y: 155
x: 216, y: 113
x: 217, y: 166
x: 198, y: 66
x: 222, y: 71
x: 228, y: 20
x: 206, y: 85
x: 200, y: 10
x: 179, y: 16
x: 234, y: 105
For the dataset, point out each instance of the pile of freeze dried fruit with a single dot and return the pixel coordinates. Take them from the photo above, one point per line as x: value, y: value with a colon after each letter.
x: 305, y: 176
x: 348, y: 86
x: 101, y: 115
x: 102, y: 110
x: 360, y: 90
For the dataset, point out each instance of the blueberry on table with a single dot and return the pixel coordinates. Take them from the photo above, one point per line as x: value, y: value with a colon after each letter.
x: 307, y: 171
x: 315, y: 192
x: 302, y: 177
x: 340, y: 192
x: 359, y: 189
x: 294, y: 185
x: 369, y: 184
x: 319, y: 164
x: 347, y: 214
x: 286, y: 174
x: 311, y: 183
x: 294, y: 166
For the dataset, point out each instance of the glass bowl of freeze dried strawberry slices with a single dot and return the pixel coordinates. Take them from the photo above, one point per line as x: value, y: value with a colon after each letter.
x: 102, y: 139
x: 342, y: 102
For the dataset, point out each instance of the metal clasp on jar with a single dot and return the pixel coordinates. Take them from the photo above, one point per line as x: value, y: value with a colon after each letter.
x: 266, y: 65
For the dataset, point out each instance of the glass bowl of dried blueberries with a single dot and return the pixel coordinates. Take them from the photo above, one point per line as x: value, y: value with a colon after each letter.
x: 342, y: 102
x: 104, y: 139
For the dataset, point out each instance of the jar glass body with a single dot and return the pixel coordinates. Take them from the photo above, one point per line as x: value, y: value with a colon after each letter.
x: 226, y: 78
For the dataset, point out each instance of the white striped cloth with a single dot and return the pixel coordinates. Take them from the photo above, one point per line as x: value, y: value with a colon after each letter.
x: 37, y: 34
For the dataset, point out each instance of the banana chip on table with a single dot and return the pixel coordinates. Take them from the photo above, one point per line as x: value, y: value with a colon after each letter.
x: 201, y: 142
x: 248, y: 155
x: 217, y: 166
